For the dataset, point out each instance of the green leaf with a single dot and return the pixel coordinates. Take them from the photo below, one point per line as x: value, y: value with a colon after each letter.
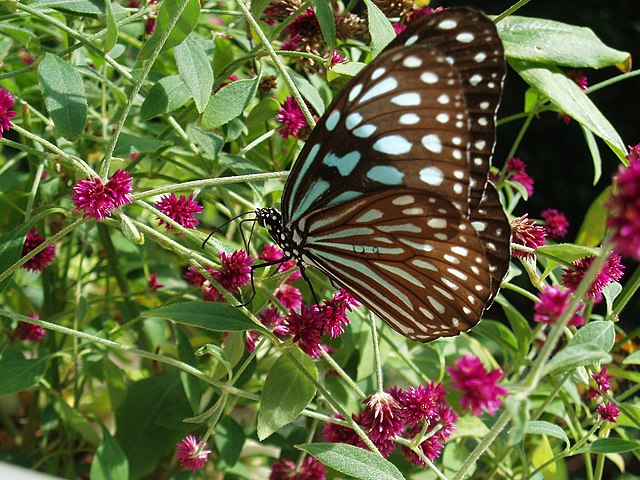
x: 353, y: 461
x: 610, y: 445
x: 574, y: 356
x: 128, y: 144
x: 109, y: 460
x: 540, y: 427
x: 229, y: 439
x: 546, y: 41
x: 111, y: 37
x: 469, y: 426
x: 594, y: 224
x: 380, y: 28
x: 610, y: 293
x: 165, y: 96
x: 11, y: 244
x: 286, y: 393
x: 324, y: 14
x: 633, y: 359
x: 149, y: 422
x: 595, y: 153
x: 195, y: 70
x: 567, y: 96
x: 308, y: 91
x: 347, y: 69
x: 191, y: 385
x: 79, y: 7
x: 64, y: 95
x: 519, y: 325
x: 218, y: 317
x: 565, y: 252
x: 185, y: 24
x: 601, y: 333
x: 19, y: 373
x: 229, y: 102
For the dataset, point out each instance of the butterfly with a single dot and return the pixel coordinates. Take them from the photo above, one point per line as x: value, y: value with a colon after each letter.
x: 390, y: 197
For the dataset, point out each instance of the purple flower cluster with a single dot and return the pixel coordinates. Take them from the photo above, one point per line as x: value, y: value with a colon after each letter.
x: 553, y: 301
x: 611, y: 272
x: 291, y: 118
x: 192, y: 454
x: 179, y: 209
x: 97, y: 199
x: 527, y: 233
x: 233, y: 274
x: 41, y: 260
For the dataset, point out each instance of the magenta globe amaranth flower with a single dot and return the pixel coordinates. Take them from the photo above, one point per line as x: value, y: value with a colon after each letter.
x: 624, y: 204
x: 383, y: 416
x: 553, y: 301
x: 192, y: 454
x: 527, y: 233
x: 556, y: 223
x: 291, y: 118
x: 516, y: 173
x: 97, y: 200
x: 610, y: 272
x: 235, y: 270
x: 480, y: 389
x: 179, y: 209
x: 286, y: 469
x: 306, y: 329
x: 6, y: 114
x: 41, y: 260
x: 29, y: 331
x: 609, y: 411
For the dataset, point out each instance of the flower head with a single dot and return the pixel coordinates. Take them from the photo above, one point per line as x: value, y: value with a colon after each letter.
x: 273, y: 253
x: 422, y: 403
x: 553, y: 303
x: 525, y: 232
x: 41, y: 260
x: 382, y: 416
x: 335, y: 313
x: 179, y: 209
x: 291, y: 118
x: 602, y: 379
x: 516, y: 172
x: 336, y: 433
x: 348, y: 300
x: 624, y: 204
x: 152, y: 282
x: 336, y: 58
x: 611, y: 272
x: 556, y: 223
x: 289, y: 296
x: 431, y: 447
x: 480, y: 390
x: 609, y: 411
x: 235, y: 270
x: 6, y: 102
x: 193, y: 276
x: 306, y: 329
x: 98, y: 199
x: 29, y: 331
x: 192, y: 454
x: 579, y: 78
x: 310, y: 469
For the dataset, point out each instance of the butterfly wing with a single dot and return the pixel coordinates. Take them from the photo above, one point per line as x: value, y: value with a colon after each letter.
x: 470, y: 42
x: 401, y: 123
x: 410, y: 256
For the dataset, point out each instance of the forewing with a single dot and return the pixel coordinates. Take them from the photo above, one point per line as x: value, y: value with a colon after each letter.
x: 401, y: 123
x: 410, y: 256
x: 470, y: 42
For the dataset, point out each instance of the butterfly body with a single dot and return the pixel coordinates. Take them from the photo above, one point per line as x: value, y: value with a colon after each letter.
x: 390, y: 198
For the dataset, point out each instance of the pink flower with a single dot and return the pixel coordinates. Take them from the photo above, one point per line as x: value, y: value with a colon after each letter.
x: 382, y: 416
x: 336, y: 58
x: 304, y: 24
x: 579, y: 78
x: 611, y: 272
x: 291, y: 118
x: 194, y: 277
x: 310, y: 469
x: 230, y: 79
x: 335, y: 433
x: 289, y: 296
x: 152, y: 282
x: 556, y: 223
x: 179, y: 209
x: 235, y: 270
x: 150, y: 26
x: 480, y: 390
x: 525, y: 232
x: 30, y: 332
x: 609, y: 411
x: 624, y: 204
x: 431, y: 447
x: 422, y: 403
x: 334, y: 311
x: 42, y: 259
x: 306, y: 329
x: 516, y: 172
x: 553, y: 303
x: 602, y: 379
x: 192, y: 454
x: 273, y: 253
x: 348, y: 300
x: 6, y: 102
x: 97, y: 199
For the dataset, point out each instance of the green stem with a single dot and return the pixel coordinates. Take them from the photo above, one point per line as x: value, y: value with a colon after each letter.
x: 515, y: 7
x: 376, y: 353
x: 342, y: 374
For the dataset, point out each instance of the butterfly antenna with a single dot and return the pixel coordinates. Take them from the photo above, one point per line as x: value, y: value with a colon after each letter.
x: 219, y: 227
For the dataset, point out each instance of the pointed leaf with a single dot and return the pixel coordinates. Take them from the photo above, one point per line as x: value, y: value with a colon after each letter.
x: 64, y: 95
x: 109, y: 460
x: 195, y: 70
x: 601, y: 333
x: 546, y: 41
x: 539, y: 427
x: 287, y: 391
x: 567, y: 96
x: 594, y: 224
x: 353, y: 461
x: 229, y: 439
x: 229, y: 102
x: 380, y: 28
x: 324, y: 14
x: 541, y: 455
x: 186, y: 23
x: 218, y: 317
x: 168, y: 94
x: 19, y: 373
x: 11, y: 244
x: 111, y: 37
x: 574, y: 356
x: 610, y: 445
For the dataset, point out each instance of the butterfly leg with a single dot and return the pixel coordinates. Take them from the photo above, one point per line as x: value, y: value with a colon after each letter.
x: 306, y: 279
x: 253, y: 286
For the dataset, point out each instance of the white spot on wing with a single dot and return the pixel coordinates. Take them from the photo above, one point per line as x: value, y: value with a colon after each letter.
x: 408, y: 119
x: 392, y: 145
x: 385, y: 86
x: 432, y: 176
x: 432, y: 143
x: 410, y: 99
